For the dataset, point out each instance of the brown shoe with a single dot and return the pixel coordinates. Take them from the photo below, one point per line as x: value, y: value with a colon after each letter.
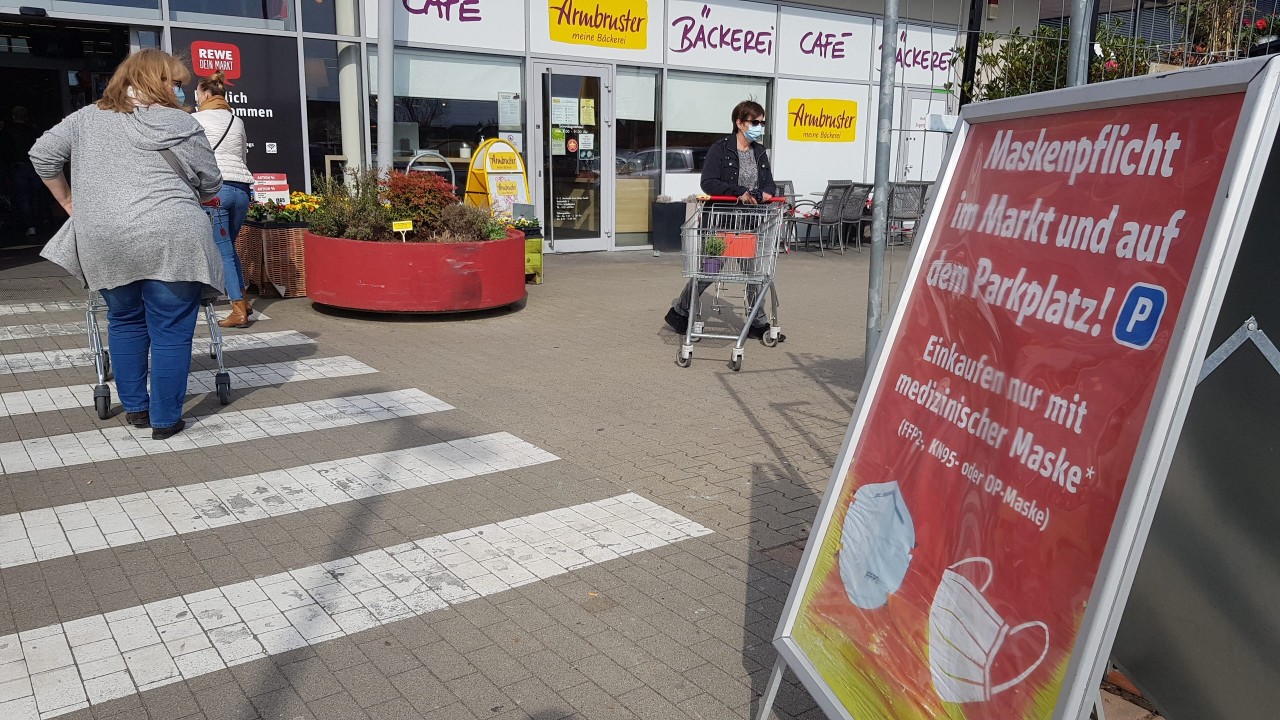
x: 239, y: 317
x: 248, y: 306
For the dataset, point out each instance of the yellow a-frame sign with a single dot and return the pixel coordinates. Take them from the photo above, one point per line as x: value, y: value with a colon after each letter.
x: 496, y: 180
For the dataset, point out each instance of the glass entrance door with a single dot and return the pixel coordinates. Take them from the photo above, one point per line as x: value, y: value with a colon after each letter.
x: 576, y: 173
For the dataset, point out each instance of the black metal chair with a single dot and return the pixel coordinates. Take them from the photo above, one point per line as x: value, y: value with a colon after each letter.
x: 824, y: 215
x: 853, y: 213
x: 787, y: 189
x: 906, y: 205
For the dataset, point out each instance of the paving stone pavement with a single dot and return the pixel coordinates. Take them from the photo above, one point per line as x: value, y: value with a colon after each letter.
x: 578, y: 528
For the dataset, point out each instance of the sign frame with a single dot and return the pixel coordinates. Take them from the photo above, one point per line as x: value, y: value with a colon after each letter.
x: 1259, y: 81
x: 482, y: 176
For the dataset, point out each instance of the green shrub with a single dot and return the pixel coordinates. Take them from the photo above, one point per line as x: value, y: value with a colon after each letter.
x: 353, y: 209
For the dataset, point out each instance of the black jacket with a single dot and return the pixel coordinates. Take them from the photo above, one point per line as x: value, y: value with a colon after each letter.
x: 720, y: 169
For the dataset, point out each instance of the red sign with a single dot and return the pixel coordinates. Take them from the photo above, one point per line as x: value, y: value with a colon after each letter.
x: 571, y: 145
x: 953, y: 578
x: 271, y: 186
x: 210, y: 57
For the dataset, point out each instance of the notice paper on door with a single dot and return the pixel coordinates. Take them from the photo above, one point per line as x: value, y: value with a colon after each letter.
x: 588, y: 112
x: 509, y: 111
x: 557, y: 141
x: 564, y: 111
x: 586, y: 141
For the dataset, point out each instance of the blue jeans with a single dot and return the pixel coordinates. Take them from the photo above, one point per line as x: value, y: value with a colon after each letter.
x: 156, y: 319
x: 228, y: 218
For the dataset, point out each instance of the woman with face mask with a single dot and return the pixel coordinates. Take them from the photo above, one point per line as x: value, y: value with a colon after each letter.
x: 225, y: 132
x: 735, y: 166
x: 140, y: 167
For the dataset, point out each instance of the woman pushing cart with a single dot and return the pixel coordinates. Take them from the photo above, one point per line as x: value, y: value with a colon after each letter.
x: 733, y: 239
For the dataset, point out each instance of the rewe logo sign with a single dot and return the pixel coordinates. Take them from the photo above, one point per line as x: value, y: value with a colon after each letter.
x: 210, y: 57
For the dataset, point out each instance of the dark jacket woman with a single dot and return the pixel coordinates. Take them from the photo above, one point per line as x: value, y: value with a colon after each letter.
x: 720, y: 169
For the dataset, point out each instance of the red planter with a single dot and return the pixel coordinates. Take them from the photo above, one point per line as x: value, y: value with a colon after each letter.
x: 415, y: 277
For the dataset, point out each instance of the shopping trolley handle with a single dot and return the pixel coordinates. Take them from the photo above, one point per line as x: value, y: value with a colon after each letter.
x: 733, y: 198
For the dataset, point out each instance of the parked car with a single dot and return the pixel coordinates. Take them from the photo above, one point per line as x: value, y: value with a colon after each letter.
x: 645, y: 163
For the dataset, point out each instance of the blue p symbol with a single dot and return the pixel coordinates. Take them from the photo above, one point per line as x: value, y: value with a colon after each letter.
x: 1140, y: 315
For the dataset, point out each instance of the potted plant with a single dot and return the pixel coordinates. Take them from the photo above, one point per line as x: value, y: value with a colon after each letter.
x: 456, y: 258
x: 712, y: 249
x: 271, y: 245
x: 532, y: 229
x: 667, y: 217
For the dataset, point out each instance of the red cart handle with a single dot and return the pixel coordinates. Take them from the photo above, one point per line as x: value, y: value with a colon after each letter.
x: 732, y: 198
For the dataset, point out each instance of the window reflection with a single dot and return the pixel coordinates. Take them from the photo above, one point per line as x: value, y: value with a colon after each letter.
x: 270, y: 14
x: 639, y: 170
x: 333, y: 106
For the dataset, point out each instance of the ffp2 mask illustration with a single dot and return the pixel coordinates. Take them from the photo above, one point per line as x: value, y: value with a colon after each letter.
x: 876, y: 542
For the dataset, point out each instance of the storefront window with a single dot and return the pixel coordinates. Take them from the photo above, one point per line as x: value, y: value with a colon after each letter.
x: 145, y: 38
x: 117, y: 8
x: 269, y: 14
x: 449, y: 103
x: 331, y: 17
x: 334, y: 105
x: 638, y: 175
x: 698, y: 111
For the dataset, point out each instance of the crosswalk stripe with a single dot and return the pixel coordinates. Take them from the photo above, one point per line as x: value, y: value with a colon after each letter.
x: 43, y: 360
x: 28, y: 332
x: 59, y: 669
x: 39, y: 535
x: 31, y: 308
x: 123, y: 441
x: 28, y: 308
x: 74, y: 397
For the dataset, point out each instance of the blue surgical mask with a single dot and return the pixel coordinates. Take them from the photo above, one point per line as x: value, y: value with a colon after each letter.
x: 755, y: 133
x: 181, y: 95
x: 876, y: 543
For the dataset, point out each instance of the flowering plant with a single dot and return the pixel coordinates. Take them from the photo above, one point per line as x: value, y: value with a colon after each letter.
x: 522, y: 224
x: 298, y: 209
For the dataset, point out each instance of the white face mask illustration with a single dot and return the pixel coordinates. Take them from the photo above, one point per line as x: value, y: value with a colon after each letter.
x: 876, y: 543
x: 966, y: 634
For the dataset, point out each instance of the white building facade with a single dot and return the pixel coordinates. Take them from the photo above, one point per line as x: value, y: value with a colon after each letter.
x: 612, y: 102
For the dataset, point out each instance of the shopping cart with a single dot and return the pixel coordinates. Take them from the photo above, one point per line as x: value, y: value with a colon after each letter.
x: 728, y: 243
x: 102, y: 356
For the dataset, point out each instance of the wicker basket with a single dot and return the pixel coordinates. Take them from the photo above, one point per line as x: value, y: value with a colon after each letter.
x: 249, y: 248
x: 283, y: 259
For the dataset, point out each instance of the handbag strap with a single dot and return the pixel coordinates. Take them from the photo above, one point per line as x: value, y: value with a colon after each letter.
x: 177, y: 167
x: 224, y: 133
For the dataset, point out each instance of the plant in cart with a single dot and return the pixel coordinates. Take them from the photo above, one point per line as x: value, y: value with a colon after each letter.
x: 712, y: 250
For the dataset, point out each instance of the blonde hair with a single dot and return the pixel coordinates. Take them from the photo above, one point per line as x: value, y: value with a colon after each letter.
x: 151, y: 73
x: 215, y: 84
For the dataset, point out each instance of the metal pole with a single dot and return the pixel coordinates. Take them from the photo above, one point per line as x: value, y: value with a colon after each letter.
x: 386, y: 88
x: 880, y: 206
x: 1094, y: 15
x: 1078, y: 43
x: 970, y: 70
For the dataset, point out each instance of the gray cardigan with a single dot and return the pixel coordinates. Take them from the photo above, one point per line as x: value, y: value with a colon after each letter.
x: 133, y: 218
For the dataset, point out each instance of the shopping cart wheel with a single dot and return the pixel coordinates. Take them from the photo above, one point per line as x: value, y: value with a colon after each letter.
x: 106, y: 365
x: 102, y: 401
x: 735, y: 364
x: 768, y: 339
x: 223, y: 382
x: 684, y: 361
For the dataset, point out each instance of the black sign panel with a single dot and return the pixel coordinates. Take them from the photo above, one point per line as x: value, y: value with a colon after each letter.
x: 262, y: 73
